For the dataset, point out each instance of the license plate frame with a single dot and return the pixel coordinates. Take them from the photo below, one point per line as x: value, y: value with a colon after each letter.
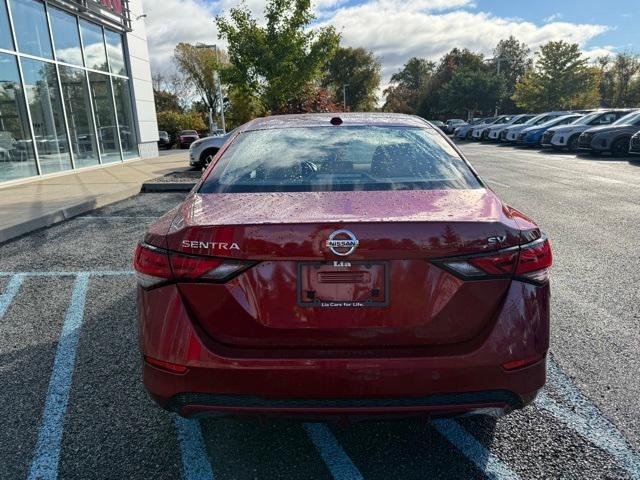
x: 342, y: 266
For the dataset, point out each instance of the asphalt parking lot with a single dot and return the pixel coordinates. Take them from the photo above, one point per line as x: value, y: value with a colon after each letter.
x: 75, y: 407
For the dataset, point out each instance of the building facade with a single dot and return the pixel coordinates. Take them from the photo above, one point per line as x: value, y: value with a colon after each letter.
x: 75, y: 86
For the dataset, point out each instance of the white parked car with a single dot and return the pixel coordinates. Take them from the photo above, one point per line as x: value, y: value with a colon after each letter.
x: 202, y: 151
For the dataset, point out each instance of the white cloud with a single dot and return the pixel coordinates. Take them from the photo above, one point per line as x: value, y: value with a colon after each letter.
x: 396, y: 34
x: 553, y: 18
x: 394, y: 30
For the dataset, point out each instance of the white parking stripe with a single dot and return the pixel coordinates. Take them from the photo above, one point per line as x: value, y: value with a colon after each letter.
x: 195, y: 461
x: 497, y: 183
x: 334, y: 456
x: 586, y: 420
x: 471, y: 448
x: 47, y: 452
x: 10, y: 292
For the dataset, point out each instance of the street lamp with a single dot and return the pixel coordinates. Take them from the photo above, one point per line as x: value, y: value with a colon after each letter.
x: 344, y: 95
x: 218, y: 83
x: 498, y: 61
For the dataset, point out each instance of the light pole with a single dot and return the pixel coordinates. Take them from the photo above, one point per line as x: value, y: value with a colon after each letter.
x: 218, y: 84
x: 498, y: 61
x: 344, y: 96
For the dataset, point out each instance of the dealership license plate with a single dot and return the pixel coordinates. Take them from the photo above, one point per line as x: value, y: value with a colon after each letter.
x: 343, y: 284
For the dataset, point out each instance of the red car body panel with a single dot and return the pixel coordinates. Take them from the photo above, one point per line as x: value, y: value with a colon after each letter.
x: 435, y: 343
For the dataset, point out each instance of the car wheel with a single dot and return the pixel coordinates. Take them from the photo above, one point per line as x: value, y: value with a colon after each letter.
x: 620, y: 148
x: 207, y: 157
x: 469, y: 136
x: 572, y: 144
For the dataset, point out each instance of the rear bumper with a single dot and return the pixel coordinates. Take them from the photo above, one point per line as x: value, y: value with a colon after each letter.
x: 440, y: 383
x: 494, y: 403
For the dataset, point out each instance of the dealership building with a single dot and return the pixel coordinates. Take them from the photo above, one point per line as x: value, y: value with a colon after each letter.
x: 75, y: 86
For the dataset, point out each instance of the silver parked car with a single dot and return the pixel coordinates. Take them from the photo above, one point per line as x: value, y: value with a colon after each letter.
x: 202, y: 151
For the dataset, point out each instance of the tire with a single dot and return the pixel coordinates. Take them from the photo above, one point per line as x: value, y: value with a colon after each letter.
x: 207, y: 156
x: 620, y: 148
x: 572, y: 143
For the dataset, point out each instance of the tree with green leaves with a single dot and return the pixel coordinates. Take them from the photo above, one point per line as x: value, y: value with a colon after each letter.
x: 277, y: 61
x: 512, y: 59
x: 360, y: 70
x: 473, y: 90
x: 618, y: 76
x: 560, y: 79
x: 432, y: 103
x: 408, y: 86
x: 199, y: 64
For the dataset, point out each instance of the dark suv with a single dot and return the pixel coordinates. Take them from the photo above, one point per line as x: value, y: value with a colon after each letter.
x: 614, y: 138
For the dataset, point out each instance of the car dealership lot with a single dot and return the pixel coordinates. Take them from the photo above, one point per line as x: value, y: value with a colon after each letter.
x: 75, y: 403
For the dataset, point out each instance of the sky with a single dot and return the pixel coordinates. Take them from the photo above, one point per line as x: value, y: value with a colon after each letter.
x: 396, y: 30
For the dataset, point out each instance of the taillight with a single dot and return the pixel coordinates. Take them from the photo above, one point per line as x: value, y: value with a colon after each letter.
x: 530, y: 263
x: 535, y: 261
x: 155, y: 266
x: 151, y: 265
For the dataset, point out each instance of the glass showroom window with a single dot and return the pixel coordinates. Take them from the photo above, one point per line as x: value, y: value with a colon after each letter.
x: 30, y: 23
x: 125, y: 118
x: 105, y: 117
x: 5, y: 34
x: 93, y: 42
x: 115, y: 52
x: 41, y: 85
x: 17, y: 159
x: 66, y: 37
x: 77, y: 104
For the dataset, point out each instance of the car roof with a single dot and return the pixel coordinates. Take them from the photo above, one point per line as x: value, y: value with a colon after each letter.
x: 324, y: 120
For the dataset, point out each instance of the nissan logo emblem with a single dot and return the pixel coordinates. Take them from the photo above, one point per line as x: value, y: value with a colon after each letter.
x: 342, y: 242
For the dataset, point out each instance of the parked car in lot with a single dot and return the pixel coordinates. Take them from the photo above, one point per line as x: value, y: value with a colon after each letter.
x: 511, y: 133
x: 532, y: 136
x: 452, y: 123
x: 329, y: 267
x: 187, y: 137
x: 461, y: 132
x: 202, y: 151
x: 566, y: 136
x: 614, y: 139
x: 481, y: 131
x: 496, y: 131
x: 437, y: 123
x: 634, y: 148
x: 164, y: 140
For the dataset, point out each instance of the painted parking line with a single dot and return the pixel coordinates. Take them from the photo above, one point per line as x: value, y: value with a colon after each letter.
x: 471, y: 448
x: 70, y: 273
x: 47, y: 452
x: 497, y: 183
x: 196, y: 464
x: 334, y: 456
x: 584, y: 418
x: 10, y: 292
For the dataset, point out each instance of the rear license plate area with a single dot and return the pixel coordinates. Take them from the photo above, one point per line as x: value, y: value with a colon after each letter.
x: 338, y: 284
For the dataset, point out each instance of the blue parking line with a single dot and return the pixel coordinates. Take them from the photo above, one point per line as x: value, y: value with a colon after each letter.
x: 9, y: 293
x: 587, y: 421
x: 196, y: 464
x: 70, y: 273
x: 471, y: 448
x: 334, y: 456
x: 47, y: 452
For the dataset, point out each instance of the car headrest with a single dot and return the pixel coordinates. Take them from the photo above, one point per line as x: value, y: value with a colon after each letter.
x: 399, y: 160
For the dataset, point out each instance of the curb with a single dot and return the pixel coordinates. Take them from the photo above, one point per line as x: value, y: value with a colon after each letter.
x: 167, y: 187
x: 12, y: 231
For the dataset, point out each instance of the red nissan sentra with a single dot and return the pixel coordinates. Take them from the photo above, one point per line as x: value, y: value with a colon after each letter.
x: 353, y: 265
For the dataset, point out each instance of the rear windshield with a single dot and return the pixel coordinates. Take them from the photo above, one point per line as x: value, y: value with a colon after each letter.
x: 339, y: 159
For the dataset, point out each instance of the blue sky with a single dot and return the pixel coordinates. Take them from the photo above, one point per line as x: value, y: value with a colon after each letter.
x: 396, y: 30
x: 621, y: 16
